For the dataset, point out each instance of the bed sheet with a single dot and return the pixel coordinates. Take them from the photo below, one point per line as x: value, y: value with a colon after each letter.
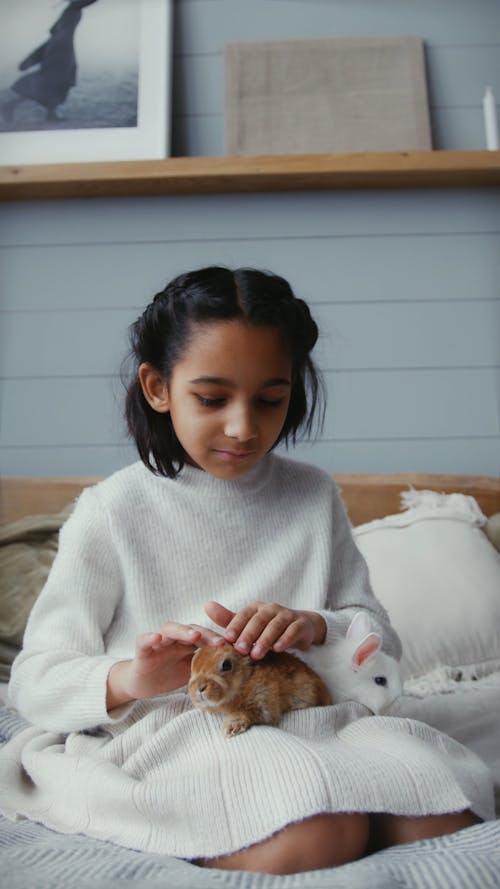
x: 32, y: 857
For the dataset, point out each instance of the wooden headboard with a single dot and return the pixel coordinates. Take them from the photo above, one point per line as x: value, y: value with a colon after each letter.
x: 366, y: 496
x: 369, y: 496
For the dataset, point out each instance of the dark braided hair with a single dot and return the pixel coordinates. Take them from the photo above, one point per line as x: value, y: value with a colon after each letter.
x: 162, y: 333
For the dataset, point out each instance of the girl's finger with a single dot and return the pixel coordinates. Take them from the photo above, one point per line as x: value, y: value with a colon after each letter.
x: 189, y: 634
x: 240, y: 622
x: 255, y: 630
x: 208, y: 637
x: 299, y: 634
x: 175, y: 632
x: 219, y: 613
x: 145, y: 643
x: 267, y: 618
x: 280, y: 626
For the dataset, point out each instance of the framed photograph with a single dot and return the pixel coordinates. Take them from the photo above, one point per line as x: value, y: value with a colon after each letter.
x: 84, y: 80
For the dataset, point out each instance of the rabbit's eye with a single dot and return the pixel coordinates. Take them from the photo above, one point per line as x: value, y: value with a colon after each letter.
x: 380, y: 680
x: 226, y: 665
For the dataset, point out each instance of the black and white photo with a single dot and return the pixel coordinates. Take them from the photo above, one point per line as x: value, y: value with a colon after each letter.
x: 84, y: 80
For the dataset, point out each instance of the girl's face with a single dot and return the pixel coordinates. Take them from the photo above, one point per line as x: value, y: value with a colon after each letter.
x: 228, y: 396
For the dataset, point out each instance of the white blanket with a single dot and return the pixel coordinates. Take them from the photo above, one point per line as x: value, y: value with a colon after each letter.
x: 469, y: 712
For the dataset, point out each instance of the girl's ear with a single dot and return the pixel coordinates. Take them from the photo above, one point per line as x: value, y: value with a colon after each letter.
x: 154, y: 387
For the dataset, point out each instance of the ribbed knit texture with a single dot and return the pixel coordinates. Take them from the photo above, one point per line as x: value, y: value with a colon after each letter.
x: 33, y: 856
x: 158, y: 775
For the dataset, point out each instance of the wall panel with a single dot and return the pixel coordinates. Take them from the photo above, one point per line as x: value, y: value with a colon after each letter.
x: 324, y: 269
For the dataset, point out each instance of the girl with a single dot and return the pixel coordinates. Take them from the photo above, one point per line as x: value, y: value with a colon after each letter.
x: 211, y: 523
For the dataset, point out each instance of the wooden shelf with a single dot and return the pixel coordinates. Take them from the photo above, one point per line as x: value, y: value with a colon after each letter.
x: 218, y: 175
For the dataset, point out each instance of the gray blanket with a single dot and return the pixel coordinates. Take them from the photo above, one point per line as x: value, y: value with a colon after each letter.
x: 33, y: 857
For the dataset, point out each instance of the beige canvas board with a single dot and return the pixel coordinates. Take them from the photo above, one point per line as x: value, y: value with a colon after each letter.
x: 326, y: 95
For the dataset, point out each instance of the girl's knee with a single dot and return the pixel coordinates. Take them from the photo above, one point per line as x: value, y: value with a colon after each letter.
x: 317, y: 842
x: 392, y: 830
x: 345, y: 837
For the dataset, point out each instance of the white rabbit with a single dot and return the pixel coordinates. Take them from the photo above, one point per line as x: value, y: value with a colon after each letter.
x: 355, y: 669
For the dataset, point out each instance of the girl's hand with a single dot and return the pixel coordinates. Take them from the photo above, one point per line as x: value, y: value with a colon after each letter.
x: 162, y: 663
x: 263, y: 626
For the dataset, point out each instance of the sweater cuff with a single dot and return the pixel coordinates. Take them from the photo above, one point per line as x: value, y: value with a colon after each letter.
x: 337, y: 623
x: 96, y: 714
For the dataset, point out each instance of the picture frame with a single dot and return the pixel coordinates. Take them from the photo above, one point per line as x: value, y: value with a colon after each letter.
x: 118, y: 100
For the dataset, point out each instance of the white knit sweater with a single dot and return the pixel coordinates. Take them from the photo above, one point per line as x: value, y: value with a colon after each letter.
x: 157, y: 775
x: 140, y: 550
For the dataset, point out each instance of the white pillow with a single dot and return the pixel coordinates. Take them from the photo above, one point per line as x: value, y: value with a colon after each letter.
x: 438, y: 576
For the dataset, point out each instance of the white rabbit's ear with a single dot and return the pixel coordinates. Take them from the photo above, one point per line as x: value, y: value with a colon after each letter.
x: 366, y: 649
x: 359, y: 627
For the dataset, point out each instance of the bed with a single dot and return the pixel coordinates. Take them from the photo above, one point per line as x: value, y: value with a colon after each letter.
x: 434, y: 564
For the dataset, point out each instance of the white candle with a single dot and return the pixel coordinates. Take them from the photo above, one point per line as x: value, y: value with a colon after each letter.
x: 490, y: 120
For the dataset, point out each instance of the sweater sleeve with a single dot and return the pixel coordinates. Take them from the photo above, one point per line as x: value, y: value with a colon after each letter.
x: 350, y: 588
x: 58, y: 680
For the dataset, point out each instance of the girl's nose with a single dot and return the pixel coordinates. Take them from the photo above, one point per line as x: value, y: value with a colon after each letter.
x: 240, y: 424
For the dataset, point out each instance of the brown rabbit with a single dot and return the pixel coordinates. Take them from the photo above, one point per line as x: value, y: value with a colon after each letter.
x: 249, y: 692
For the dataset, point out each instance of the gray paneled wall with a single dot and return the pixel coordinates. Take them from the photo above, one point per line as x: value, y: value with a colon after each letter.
x: 404, y: 284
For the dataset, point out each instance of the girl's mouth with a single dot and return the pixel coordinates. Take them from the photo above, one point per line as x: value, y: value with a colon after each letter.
x: 233, y: 455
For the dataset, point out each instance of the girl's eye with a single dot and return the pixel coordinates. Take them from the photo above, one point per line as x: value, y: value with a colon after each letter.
x: 218, y: 402
x: 226, y: 665
x: 210, y: 402
x: 271, y: 402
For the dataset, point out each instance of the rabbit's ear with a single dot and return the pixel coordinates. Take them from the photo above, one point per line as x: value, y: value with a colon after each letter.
x: 366, y: 649
x: 359, y: 627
